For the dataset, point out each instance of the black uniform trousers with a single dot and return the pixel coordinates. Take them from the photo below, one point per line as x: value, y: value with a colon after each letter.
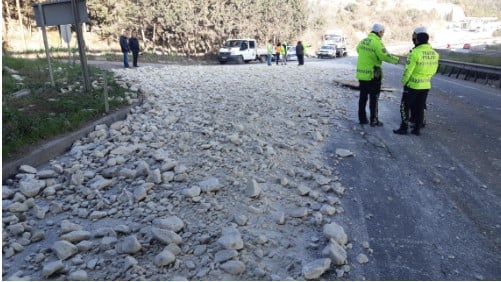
x: 414, y: 100
x: 369, y: 89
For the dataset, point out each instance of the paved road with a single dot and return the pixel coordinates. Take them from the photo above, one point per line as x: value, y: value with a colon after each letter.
x: 430, y: 205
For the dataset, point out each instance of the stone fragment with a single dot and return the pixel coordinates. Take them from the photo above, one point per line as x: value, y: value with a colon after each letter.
x: 64, y: 249
x: 166, y: 236
x: 52, y: 268
x: 231, y: 239
x: 362, y: 258
x: 336, y: 252
x: 79, y: 275
x: 164, y: 258
x: 172, y: 223
x: 343, y: 153
x: 313, y: 270
x: 128, y: 245
x: 336, y: 232
x: 234, y: 267
x: 225, y: 255
x: 76, y: 236
x: 31, y: 187
x: 253, y: 190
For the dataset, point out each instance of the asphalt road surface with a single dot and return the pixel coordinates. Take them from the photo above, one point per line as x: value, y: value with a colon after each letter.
x: 428, y: 205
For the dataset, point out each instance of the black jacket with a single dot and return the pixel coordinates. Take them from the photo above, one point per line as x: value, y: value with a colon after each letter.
x: 134, y: 44
x: 123, y: 44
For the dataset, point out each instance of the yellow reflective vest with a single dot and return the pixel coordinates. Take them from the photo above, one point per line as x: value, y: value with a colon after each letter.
x: 269, y: 48
x: 371, y: 54
x: 422, y: 64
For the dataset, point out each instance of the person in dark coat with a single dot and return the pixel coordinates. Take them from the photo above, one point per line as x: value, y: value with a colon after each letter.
x: 125, y: 48
x: 134, y: 47
x: 300, y: 53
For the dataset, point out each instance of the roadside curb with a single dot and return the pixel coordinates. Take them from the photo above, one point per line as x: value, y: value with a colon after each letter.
x: 60, y: 145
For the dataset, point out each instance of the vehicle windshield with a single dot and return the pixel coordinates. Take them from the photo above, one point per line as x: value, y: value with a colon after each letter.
x: 327, y: 47
x: 291, y: 49
x: 335, y: 38
x: 232, y: 43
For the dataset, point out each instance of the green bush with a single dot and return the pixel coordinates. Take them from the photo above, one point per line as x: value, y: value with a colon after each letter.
x: 47, y: 111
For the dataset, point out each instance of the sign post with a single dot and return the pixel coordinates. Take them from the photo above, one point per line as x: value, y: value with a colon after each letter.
x: 46, y: 44
x: 66, y: 35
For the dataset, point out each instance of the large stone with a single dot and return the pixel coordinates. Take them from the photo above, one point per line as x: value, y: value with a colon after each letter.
x: 166, y: 236
x: 234, y: 267
x: 164, y: 258
x: 64, y: 249
x: 172, y: 223
x: 316, y: 268
x: 128, y: 245
x: 336, y: 252
x: 253, y: 190
x: 52, y: 267
x: 336, y: 232
x: 31, y: 187
x: 210, y: 185
x: 76, y: 236
x: 231, y: 239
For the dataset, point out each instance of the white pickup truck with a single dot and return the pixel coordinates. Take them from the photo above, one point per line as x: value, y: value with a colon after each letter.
x: 240, y: 51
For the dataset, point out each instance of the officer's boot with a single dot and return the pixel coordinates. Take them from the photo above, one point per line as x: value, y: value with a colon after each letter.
x: 402, y: 130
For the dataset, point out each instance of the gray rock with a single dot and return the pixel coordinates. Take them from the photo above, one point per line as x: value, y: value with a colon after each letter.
x: 47, y: 173
x: 336, y: 232
x: 31, y: 187
x: 64, y: 249
x: 343, y: 153
x: 299, y: 212
x: 76, y: 236
x: 231, y: 239
x: 164, y: 258
x: 234, y: 267
x: 336, y: 252
x: 166, y: 236
x: 253, y: 190
x: 362, y: 258
x: 84, y: 246
x: 52, y: 268
x: 128, y: 245
x: 16, y: 229
x: 79, y: 275
x: 192, y: 192
x: 210, y: 185
x: 18, y: 207
x: 100, y: 183
x: 172, y: 223
x: 27, y: 169
x: 315, y: 269
x: 67, y: 226
x: 225, y: 255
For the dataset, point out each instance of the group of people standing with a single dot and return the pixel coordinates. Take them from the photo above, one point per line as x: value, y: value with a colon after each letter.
x: 281, y: 52
x: 421, y: 65
x: 127, y: 45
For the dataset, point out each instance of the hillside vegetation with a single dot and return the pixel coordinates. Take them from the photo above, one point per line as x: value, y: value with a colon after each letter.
x: 199, y: 27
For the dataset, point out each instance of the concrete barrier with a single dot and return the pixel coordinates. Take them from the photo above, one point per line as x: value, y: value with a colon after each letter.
x: 58, y: 146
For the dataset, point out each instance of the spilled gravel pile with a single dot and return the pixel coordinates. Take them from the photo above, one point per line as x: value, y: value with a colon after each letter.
x: 221, y: 174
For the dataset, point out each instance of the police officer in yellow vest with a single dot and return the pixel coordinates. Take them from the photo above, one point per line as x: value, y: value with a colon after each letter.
x: 371, y: 53
x: 421, y: 66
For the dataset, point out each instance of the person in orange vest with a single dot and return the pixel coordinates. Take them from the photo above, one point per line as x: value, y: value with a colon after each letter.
x: 277, y: 52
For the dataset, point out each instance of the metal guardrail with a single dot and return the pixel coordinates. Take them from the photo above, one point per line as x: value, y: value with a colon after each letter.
x: 489, y: 74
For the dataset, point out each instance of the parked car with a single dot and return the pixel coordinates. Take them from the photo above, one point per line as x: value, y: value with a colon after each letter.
x: 241, y: 50
x: 291, y: 53
x: 326, y: 51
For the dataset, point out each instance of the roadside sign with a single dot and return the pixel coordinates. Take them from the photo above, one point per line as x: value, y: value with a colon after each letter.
x: 66, y: 32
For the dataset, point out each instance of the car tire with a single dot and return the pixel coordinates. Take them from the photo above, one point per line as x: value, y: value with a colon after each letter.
x: 240, y: 60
